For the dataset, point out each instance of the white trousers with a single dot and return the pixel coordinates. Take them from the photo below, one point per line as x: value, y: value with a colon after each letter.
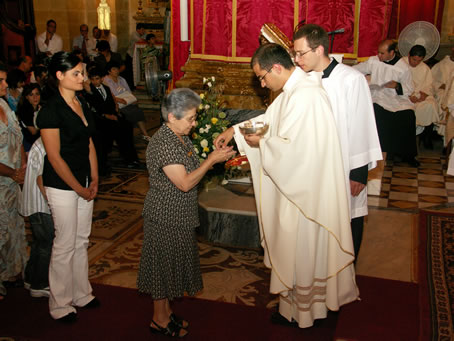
x: 68, y: 270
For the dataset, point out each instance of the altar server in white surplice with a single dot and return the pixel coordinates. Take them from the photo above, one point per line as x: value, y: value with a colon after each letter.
x: 426, y: 107
x: 299, y: 186
x: 353, y: 111
x: 441, y: 73
x: 391, y: 85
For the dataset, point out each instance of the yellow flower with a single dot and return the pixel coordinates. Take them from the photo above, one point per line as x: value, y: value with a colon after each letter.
x: 206, y: 149
x: 202, y: 96
x: 194, y: 135
x: 214, y: 120
x: 200, y: 106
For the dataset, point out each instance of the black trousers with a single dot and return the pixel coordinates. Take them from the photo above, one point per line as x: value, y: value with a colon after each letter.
x: 357, y: 225
x: 121, y: 132
x: 396, y: 131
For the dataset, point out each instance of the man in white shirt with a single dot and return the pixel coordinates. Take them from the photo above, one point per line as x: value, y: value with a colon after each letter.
x: 391, y: 85
x: 111, y: 38
x: 49, y: 42
x: 298, y: 178
x: 83, y: 42
x: 426, y: 107
x: 353, y: 111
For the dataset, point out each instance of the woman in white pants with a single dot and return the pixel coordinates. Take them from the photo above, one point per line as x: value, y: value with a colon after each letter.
x: 70, y: 178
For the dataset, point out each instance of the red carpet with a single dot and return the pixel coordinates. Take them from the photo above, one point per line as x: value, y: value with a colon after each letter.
x: 388, y: 309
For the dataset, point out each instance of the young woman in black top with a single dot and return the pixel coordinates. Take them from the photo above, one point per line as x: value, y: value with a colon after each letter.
x: 28, y: 107
x: 70, y: 177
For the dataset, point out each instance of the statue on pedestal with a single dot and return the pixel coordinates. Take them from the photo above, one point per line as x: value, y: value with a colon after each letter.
x: 103, y: 15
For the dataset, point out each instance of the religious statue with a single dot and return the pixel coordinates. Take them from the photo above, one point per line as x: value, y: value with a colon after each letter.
x: 103, y: 15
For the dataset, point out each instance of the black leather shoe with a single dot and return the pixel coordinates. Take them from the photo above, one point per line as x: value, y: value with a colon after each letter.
x: 94, y: 303
x: 412, y: 162
x: 70, y: 318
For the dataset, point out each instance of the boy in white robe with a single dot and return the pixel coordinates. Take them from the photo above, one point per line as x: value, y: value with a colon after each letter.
x: 426, y: 107
x: 353, y: 111
x: 300, y: 192
x: 441, y: 73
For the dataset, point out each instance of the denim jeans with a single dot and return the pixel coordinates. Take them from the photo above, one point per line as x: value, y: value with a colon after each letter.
x: 37, y: 269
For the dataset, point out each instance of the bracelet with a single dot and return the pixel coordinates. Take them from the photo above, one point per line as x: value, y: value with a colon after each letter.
x: 15, y: 175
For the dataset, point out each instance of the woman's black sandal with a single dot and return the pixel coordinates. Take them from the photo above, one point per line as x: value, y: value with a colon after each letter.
x: 179, y: 321
x: 172, y: 329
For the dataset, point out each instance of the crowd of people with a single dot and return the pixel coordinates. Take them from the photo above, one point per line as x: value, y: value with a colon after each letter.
x: 61, y: 113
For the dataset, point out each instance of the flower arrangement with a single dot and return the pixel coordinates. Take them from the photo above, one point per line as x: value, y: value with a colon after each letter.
x: 210, y: 119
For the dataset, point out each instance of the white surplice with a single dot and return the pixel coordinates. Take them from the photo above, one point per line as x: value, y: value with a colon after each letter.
x: 353, y: 111
x: 441, y: 74
x: 380, y: 74
x: 302, y: 202
x: 427, y: 111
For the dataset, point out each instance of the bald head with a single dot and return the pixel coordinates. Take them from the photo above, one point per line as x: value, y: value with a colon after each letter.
x: 387, y: 50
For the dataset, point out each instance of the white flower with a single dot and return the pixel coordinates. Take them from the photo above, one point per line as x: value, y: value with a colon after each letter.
x: 207, y: 106
x: 201, y: 130
x: 212, y: 78
x: 224, y: 182
x: 204, y: 143
x: 210, y: 84
x: 196, y: 150
x: 204, y: 155
x: 204, y: 80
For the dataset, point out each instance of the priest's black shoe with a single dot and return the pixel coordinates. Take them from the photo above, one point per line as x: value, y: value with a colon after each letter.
x: 70, y: 318
x: 412, y: 162
x: 94, y: 303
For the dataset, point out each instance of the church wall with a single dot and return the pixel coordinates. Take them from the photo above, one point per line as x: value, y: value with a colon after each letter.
x: 448, y: 22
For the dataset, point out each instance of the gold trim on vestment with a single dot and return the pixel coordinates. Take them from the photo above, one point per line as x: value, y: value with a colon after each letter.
x: 437, y: 4
x: 296, y: 17
x: 234, y: 16
x: 356, y: 29
x: 203, y: 25
x: 221, y: 58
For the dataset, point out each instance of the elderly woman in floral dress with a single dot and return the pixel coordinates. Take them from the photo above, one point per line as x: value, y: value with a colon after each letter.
x: 169, y: 265
x: 13, y: 255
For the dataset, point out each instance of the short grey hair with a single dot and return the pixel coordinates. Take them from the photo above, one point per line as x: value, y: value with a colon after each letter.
x: 178, y: 102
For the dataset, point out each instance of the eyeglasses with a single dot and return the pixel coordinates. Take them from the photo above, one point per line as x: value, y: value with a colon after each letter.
x: 299, y: 54
x: 261, y: 78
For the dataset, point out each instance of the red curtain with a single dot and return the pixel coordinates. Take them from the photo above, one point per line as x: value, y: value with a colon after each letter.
x: 405, y: 12
x: 179, y: 51
x: 374, y: 19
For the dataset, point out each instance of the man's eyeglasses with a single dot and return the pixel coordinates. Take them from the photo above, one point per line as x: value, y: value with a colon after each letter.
x: 261, y: 78
x: 299, y: 54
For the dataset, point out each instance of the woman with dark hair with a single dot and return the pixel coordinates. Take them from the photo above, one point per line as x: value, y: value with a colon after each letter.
x: 13, y: 253
x: 15, y: 80
x: 27, y: 110
x: 70, y: 178
x: 169, y: 265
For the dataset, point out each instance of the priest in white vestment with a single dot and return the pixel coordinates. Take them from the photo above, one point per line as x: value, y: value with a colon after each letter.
x: 426, y: 107
x: 391, y: 84
x: 353, y: 111
x: 300, y: 192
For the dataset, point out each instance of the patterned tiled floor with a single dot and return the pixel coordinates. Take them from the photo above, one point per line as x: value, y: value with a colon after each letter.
x: 411, y: 188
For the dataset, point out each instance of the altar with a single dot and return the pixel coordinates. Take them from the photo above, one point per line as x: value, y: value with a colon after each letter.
x: 228, y: 216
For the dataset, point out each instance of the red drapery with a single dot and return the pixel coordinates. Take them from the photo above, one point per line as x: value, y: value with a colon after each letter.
x: 405, y: 12
x: 228, y: 30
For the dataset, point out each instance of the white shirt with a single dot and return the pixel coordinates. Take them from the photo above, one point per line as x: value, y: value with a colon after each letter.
x: 353, y: 112
x: 55, y: 44
x: 32, y: 199
x: 113, y: 41
x: 135, y: 37
x: 382, y: 73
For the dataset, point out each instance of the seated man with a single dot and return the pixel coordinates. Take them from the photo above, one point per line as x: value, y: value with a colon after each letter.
x: 49, y: 42
x: 110, y: 124
x: 426, y: 107
x: 391, y: 85
x: 106, y: 55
